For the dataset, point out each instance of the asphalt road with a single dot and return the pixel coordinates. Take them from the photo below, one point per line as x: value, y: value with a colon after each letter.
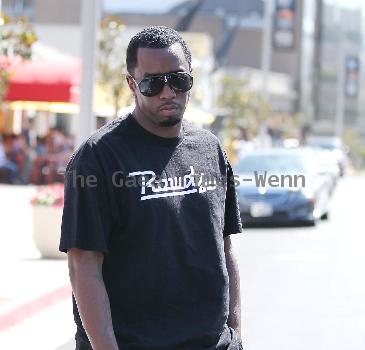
x: 303, y: 288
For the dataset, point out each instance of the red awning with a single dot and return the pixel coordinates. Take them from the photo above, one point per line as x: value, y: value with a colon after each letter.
x: 55, y: 80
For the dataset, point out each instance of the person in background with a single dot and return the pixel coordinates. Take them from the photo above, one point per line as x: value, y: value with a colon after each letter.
x: 9, y: 168
x: 16, y: 153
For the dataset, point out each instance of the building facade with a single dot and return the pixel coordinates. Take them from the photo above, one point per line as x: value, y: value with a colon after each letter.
x: 311, y: 67
x: 340, y: 39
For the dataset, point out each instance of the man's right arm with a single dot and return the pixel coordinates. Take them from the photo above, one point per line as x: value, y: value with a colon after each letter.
x: 85, y: 269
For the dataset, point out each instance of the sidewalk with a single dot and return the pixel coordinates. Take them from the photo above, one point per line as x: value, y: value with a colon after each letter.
x: 35, y: 294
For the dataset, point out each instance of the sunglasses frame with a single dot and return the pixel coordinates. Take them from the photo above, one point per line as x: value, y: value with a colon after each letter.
x: 165, y: 77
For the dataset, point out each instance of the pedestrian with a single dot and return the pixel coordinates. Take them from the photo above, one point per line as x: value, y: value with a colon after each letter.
x: 8, y: 169
x: 147, y: 218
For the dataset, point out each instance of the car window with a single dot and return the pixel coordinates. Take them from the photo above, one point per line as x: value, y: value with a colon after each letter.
x: 273, y: 163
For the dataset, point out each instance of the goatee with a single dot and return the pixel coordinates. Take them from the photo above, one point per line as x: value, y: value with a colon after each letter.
x: 170, y: 122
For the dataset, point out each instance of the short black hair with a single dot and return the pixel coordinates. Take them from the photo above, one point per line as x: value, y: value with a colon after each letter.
x: 154, y: 37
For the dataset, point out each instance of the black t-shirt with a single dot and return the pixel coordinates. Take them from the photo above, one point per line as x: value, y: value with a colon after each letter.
x: 159, y: 209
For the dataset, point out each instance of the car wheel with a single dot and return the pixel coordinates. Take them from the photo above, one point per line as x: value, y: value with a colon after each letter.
x: 325, y: 216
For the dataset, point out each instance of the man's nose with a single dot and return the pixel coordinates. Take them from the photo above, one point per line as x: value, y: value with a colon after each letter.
x: 167, y: 92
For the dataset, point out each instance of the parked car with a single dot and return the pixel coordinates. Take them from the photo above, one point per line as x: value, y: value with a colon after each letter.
x: 282, y: 185
x: 334, y: 145
x: 329, y: 165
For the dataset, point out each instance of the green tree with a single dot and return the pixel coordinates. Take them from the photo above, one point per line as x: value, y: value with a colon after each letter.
x: 111, y: 65
x: 245, y: 109
x: 16, y: 40
x: 356, y: 146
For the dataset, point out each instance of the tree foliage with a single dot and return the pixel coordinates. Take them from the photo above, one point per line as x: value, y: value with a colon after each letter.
x: 16, y: 40
x: 245, y: 110
x: 111, y: 66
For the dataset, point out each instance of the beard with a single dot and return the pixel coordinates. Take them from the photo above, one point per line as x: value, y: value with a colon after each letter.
x: 168, y: 123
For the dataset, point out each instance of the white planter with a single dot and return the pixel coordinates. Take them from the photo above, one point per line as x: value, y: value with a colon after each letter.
x: 47, y: 230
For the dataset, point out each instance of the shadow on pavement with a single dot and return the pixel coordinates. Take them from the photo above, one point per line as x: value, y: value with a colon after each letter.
x: 277, y: 225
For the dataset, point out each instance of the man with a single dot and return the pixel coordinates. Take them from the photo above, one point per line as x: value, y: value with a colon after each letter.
x: 146, y: 232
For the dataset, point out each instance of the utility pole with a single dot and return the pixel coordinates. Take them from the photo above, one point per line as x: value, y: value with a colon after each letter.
x: 360, y: 103
x: 316, y: 94
x: 266, y: 50
x: 340, y: 98
x: 266, y: 55
x: 90, y: 19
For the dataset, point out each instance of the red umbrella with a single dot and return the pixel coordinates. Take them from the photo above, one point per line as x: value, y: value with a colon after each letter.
x: 55, y: 80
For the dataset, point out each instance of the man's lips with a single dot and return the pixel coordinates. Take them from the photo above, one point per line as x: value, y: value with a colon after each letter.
x: 169, y: 107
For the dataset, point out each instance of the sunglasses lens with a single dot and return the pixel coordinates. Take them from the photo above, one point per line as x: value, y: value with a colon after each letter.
x: 151, y: 86
x: 181, y: 82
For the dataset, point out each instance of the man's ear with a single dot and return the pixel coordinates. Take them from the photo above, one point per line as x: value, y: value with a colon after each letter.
x: 131, y: 84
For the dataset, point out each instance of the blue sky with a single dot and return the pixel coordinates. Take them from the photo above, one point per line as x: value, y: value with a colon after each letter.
x: 139, y: 6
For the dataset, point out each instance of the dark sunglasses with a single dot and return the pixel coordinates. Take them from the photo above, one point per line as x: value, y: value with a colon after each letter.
x: 153, y: 85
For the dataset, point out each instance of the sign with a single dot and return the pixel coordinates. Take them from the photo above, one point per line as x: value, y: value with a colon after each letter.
x: 284, y: 24
x: 352, y: 70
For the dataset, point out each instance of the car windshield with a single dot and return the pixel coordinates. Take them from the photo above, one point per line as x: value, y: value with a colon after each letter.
x: 285, y: 163
x: 325, y: 143
x: 328, y: 147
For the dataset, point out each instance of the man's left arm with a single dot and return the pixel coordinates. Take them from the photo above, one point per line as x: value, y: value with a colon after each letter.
x: 234, y: 318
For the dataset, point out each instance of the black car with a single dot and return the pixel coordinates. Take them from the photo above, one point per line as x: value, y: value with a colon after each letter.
x: 282, y: 185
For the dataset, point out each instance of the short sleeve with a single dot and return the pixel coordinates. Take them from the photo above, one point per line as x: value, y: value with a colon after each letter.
x: 232, y: 217
x: 87, y: 219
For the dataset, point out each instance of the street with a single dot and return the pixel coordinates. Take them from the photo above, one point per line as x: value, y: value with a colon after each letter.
x: 302, y: 287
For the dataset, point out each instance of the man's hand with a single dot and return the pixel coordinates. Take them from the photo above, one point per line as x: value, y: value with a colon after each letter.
x: 85, y: 269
